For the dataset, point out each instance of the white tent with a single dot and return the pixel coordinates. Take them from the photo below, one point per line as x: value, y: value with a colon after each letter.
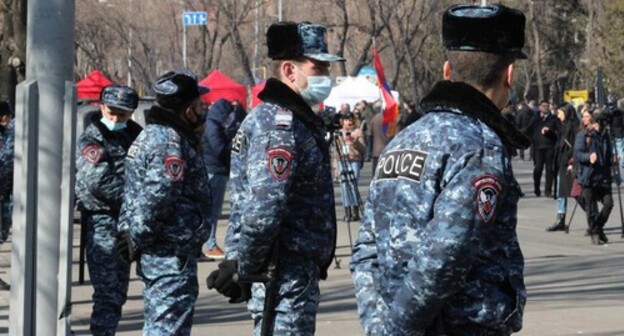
x: 353, y: 90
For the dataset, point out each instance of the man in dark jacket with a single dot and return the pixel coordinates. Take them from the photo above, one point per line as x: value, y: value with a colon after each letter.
x: 592, y: 151
x: 221, y: 127
x: 166, y: 209
x: 100, y: 177
x: 281, y: 190
x: 524, y: 116
x: 544, y: 131
x: 437, y: 252
x: 7, y: 142
x: 617, y: 129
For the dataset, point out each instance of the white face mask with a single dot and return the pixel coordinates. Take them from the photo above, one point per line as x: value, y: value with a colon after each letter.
x: 318, y: 88
x: 113, y: 126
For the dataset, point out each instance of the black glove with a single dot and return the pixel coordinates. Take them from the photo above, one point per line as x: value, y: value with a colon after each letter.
x: 222, y: 280
x: 125, y: 247
x: 245, y: 293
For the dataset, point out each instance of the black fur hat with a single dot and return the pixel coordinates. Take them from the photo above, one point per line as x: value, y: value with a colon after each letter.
x: 289, y: 40
x: 5, y: 108
x: 494, y: 28
x: 178, y: 88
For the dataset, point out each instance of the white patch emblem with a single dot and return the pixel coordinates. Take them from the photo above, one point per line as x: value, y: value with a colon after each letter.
x: 488, y: 192
x: 283, y: 118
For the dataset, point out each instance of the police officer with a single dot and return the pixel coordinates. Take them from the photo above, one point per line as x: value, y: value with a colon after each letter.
x: 165, y: 215
x: 7, y: 142
x: 281, y: 185
x: 102, y: 148
x: 437, y: 251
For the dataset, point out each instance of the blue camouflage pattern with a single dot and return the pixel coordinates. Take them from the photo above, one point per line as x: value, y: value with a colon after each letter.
x: 314, y: 42
x: 99, y: 188
x: 7, y: 152
x: 298, y: 299
x: 170, y: 292
x: 166, y: 212
x: 290, y: 204
x: 432, y: 248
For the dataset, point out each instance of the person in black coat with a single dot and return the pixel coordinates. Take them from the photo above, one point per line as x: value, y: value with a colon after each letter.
x: 524, y: 116
x: 617, y: 130
x: 544, y: 132
x: 593, y: 153
x: 221, y: 125
x: 564, y: 161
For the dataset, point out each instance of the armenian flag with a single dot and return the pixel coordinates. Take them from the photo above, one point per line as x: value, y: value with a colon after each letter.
x: 391, y: 108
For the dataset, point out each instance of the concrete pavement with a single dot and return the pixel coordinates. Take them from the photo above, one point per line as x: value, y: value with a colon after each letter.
x: 574, y: 288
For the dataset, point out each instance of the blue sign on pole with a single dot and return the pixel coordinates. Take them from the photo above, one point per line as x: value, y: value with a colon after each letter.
x: 195, y: 18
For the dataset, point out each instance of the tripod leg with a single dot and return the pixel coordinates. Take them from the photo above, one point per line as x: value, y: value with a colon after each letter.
x: 350, y: 239
x: 621, y: 211
x: 567, y: 228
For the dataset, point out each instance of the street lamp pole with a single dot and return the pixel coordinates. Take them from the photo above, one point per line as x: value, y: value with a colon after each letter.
x: 183, y: 36
x: 129, y: 83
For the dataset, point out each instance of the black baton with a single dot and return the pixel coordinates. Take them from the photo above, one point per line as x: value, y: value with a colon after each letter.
x: 269, y: 279
x: 83, y: 246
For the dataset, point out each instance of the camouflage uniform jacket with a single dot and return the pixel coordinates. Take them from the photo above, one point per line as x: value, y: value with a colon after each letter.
x: 165, y: 209
x: 438, y: 243
x: 100, y: 165
x: 7, y: 150
x: 281, y: 184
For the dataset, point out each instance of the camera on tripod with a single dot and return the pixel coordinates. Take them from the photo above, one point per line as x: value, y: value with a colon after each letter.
x: 331, y: 122
x: 606, y: 115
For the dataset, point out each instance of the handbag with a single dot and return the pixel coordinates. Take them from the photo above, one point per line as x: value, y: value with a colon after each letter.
x: 577, y: 189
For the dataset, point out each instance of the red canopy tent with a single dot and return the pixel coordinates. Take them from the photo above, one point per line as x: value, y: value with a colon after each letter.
x: 91, y: 86
x: 255, y: 101
x: 221, y: 86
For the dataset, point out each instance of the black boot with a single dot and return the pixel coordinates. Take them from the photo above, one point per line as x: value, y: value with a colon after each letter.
x: 355, y: 214
x: 559, y: 224
x: 595, y: 239
x: 602, y: 237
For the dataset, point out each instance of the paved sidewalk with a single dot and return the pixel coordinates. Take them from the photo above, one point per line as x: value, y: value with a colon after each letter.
x: 574, y: 288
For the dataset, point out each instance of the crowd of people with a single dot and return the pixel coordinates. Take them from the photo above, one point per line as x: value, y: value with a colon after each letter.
x: 578, y: 149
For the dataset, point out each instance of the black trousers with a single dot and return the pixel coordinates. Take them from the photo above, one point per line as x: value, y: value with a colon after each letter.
x: 544, y: 157
x: 591, y: 196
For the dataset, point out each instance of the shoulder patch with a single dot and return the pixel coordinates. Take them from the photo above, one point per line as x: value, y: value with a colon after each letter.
x: 92, y: 153
x: 238, y: 142
x: 132, y: 151
x: 283, y: 119
x: 401, y: 164
x: 488, y: 192
x: 280, y: 163
x: 174, y: 166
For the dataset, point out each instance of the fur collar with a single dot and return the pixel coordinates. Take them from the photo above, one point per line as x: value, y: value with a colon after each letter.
x: 278, y: 93
x: 161, y: 116
x: 471, y: 102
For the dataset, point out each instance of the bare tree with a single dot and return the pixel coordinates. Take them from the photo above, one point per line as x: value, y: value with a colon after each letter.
x: 566, y: 39
x: 236, y: 13
x: 12, y: 46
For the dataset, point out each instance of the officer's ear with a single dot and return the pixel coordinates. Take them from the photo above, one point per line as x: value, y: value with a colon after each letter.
x: 189, y: 113
x: 446, y: 70
x: 287, y: 69
x: 509, y: 75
